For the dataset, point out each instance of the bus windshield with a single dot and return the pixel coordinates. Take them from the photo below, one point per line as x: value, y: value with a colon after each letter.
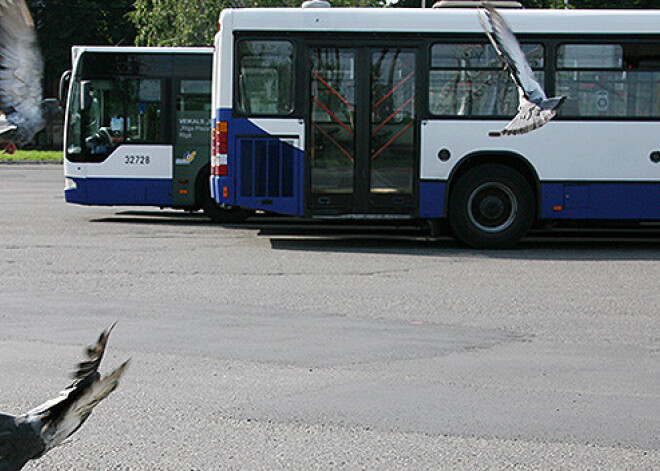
x: 117, y: 111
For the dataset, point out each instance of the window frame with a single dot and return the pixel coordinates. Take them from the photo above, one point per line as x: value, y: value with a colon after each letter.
x: 236, y: 72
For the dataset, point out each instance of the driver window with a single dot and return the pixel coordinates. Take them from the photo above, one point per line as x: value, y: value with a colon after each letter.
x: 128, y: 110
x: 101, y: 136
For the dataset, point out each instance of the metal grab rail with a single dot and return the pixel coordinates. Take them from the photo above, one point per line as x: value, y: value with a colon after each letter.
x: 331, y: 139
x: 333, y: 116
x: 405, y: 79
x: 389, y: 118
x: 332, y: 90
x: 388, y: 143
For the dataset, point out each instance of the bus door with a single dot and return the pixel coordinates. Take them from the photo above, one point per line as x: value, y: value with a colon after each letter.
x: 362, y: 140
x: 192, y: 135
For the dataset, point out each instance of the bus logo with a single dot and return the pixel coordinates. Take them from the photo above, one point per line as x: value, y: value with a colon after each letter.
x: 187, y: 158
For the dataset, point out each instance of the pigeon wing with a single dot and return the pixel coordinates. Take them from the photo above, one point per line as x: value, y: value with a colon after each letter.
x: 506, y: 44
x: 85, y: 375
x: 79, y: 405
x: 530, y: 116
x: 94, y: 356
x: 21, y: 65
x: 63, y: 415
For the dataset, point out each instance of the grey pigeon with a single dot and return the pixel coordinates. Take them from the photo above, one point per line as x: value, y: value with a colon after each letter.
x: 534, y: 108
x: 29, y: 436
x: 23, y: 112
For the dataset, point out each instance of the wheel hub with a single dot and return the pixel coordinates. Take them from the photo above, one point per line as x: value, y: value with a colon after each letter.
x: 492, y: 207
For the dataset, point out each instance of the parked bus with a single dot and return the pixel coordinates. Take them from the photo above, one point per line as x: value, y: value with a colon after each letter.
x: 386, y: 113
x: 137, y: 127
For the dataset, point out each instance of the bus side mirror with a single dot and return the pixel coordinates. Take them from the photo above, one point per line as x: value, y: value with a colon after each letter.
x: 85, y: 95
x: 65, y: 80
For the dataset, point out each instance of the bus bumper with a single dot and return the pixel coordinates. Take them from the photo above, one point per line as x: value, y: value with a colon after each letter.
x: 222, y: 190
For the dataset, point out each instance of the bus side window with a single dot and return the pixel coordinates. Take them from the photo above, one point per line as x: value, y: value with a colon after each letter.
x: 193, y: 110
x: 609, y: 80
x: 265, y: 78
x: 466, y: 79
x: 144, y: 111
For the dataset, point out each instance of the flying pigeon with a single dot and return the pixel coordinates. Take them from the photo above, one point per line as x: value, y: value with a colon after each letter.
x: 534, y: 107
x: 29, y: 436
x: 23, y: 113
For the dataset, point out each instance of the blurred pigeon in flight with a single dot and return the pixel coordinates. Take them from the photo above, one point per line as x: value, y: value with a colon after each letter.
x: 534, y: 107
x: 29, y: 436
x: 23, y: 113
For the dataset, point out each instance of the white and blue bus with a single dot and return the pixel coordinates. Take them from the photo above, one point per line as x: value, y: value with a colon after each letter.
x: 386, y: 113
x: 137, y: 128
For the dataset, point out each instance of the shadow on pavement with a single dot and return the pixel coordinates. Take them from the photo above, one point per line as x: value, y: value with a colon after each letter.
x: 407, y: 239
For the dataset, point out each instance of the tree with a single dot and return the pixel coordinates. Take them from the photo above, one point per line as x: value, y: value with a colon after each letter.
x: 193, y: 22
x: 61, y: 24
x: 176, y: 22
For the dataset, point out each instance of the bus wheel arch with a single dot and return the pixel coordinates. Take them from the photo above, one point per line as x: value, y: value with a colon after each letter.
x: 492, y: 200
x: 213, y: 210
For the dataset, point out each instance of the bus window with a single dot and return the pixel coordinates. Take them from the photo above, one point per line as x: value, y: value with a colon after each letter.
x: 193, y: 111
x: 589, y: 56
x: 194, y: 95
x: 74, y: 125
x: 609, y: 80
x: 143, y: 111
x: 265, y: 78
x: 466, y: 79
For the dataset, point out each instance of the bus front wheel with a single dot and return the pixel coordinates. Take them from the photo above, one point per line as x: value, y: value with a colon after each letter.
x: 491, y: 207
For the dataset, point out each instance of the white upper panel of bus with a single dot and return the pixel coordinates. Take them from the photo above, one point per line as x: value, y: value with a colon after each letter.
x: 442, y: 20
x: 135, y: 49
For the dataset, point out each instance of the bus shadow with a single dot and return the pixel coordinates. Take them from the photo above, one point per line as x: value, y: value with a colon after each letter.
x: 356, y: 237
x: 161, y: 218
x: 532, y: 248
x: 597, y: 246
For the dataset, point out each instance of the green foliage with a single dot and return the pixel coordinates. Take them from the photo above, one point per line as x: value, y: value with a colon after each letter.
x: 176, y: 22
x: 32, y: 156
x: 63, y: 23
x: 193, y: 22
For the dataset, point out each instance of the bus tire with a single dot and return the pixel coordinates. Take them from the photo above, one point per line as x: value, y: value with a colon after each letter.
x: 491, y: 207
x: 212, y: 209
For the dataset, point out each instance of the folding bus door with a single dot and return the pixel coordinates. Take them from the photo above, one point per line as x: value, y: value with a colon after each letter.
x: 362, y: 146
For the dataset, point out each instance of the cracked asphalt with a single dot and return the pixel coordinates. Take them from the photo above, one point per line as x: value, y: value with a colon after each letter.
x: 278, y: 344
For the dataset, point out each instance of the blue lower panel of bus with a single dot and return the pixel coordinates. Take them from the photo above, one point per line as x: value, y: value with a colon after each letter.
x: 630, y: 201
x: 121, y: 191
x: 600, y: 201
x: 266, y: 174
x: 265, y: 171
x: 432, y: 199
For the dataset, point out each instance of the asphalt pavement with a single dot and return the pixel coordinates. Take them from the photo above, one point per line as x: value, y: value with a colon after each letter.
x: 281, y: 344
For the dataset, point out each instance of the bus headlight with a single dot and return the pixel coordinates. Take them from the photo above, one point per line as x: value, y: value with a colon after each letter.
x: 70, y: 184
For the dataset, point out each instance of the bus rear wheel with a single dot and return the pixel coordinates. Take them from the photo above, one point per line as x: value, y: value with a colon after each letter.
x: 213, y: 210
x: 491, y: 207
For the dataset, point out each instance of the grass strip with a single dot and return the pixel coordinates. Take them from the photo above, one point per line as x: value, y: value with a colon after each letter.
x: 32, y: 156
